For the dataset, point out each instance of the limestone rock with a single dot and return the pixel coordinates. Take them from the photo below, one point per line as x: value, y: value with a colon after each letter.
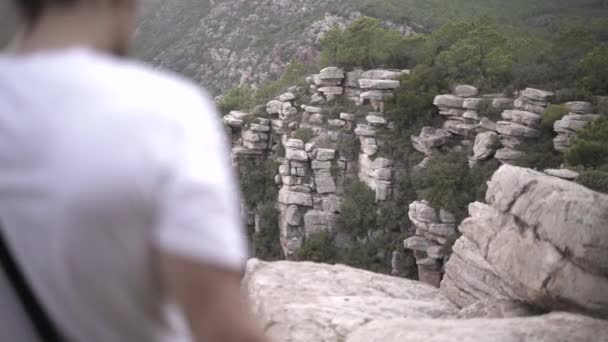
x: 331, y: 73
x: 348, y: 117
x: 487, y: 124
x: 485, y: 145
x: 365, y: 130
x: 546, y: 328
x: 451, y: 101
x: 274, y: 107
x: 537, y: 94
x: 513, y: 129
x: 304, y: 302
x: 562, y: 173
x: 316, y: 221
x: 352, y: 78
x: 325, y: 185
x: 497, y: 309
x: 365, y: 83
x: 471, y: 103
x: 287, y: 97
x: 579, y: 107
x: 295, y: 144
x: 502, y: 103
x: 508, y: 155
x: 375, y: 120
x: 522, y: 117
x: 534, y: 218
x: 429, y: 139
x: 288, y: 196
x: 422, y: 212
x: 293, y: 154
x: 293, y: 216
x: 381, y: 74
x: 377, y: 95
x: 466, y: 91
x: 460, y: 128
x: 419, y: 243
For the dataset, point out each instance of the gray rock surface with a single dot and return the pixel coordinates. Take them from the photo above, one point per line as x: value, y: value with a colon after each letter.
x: 554, y: 327
x: 304, y: 302
x: 466, y: 91
x: 545, y: 237
x: 485, y: 145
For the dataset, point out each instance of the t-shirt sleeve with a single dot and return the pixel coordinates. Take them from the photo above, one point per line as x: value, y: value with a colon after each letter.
x: 200, y: 207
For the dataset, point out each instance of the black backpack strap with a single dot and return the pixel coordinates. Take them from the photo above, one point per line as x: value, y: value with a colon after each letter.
x: 45, y: 328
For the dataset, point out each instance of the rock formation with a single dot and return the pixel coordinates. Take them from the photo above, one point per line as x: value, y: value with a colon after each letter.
x: 567, y: 127
x: 338, y: 146
x: 434, y: 229
x: 302, y: 302
x: 541, y: 240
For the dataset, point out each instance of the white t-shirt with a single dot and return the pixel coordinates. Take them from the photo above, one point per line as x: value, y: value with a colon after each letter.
x: 102, y: 163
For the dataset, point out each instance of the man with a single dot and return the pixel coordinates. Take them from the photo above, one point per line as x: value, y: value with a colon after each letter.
x: 116, y: 192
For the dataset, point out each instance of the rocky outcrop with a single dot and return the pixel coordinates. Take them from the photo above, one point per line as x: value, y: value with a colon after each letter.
x: 567, y: 127
x: 302, y: 301
x: 322, y: 148
x: 434, y: 229
x: 338, y: 303
x: 542, y: 239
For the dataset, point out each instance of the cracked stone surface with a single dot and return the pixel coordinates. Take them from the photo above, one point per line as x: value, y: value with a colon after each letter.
x: 545, y: 238
x: 563, y: 327
x: 303, y: 301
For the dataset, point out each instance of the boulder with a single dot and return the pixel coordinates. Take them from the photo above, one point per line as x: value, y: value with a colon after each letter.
x: 375, y: 120
x: 287, y: 97
x: 294, y: 144
x: 579, y: 107
x: 365, y: 83
x: 296, y: 154
x: 537, y: 94
x: 289, y: 196
x: 331, y: 90
x: 382, y: 74
x: 471, y: 115
x: 508, y: 156
x: 502, y: 103
x: 485, y: 145
x: 487, y: 124
x: 546, y: 238
x: 429, y: 139
x: 365, y: 130
x: 522, y: 117
x: 466, y: 91
x: 471, y: 103
x: 516, y: 130
x: 316, y: 221
x: 331, y: 73
x: 304, y: 302
x: 377, y: 95
x: 460, y: 128
x: 451, y: 101
x: 421, y: 211
x: 274, y: 107
x: 562, y: 173
x: 324, y: 154
x: 348, y: 117
x: 292, y: 215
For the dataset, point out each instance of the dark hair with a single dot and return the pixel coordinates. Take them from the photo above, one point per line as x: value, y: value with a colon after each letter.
x: 33, y: 9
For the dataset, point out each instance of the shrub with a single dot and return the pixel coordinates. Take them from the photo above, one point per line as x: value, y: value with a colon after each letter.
x: 266, y: 242
x: 445, y: 183
x: 590, y: 148
x: 318, y: 248
x: 595, y: 180
x: 552, y: 114
x: 487, y: 109
x: 239, y: 98
x: 358, y: 211
x: 257, y: 181
x: 348, y: 146
x: 304, y: 134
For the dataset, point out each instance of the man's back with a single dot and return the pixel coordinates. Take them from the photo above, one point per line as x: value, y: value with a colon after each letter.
x: 103, y: 163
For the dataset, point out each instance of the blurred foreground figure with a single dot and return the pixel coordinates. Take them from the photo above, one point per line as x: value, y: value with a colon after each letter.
x: 117, y: 198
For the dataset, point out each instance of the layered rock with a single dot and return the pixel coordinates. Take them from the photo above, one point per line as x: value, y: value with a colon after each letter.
x: 311, y: 174
x: 434, y: 229
x: 567, y: 127
x: 543, y: 239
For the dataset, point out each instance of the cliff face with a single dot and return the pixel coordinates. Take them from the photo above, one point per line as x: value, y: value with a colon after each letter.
x: 225, y: 43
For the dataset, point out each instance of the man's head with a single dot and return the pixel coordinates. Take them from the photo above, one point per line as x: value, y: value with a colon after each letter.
x: 105, y: 23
